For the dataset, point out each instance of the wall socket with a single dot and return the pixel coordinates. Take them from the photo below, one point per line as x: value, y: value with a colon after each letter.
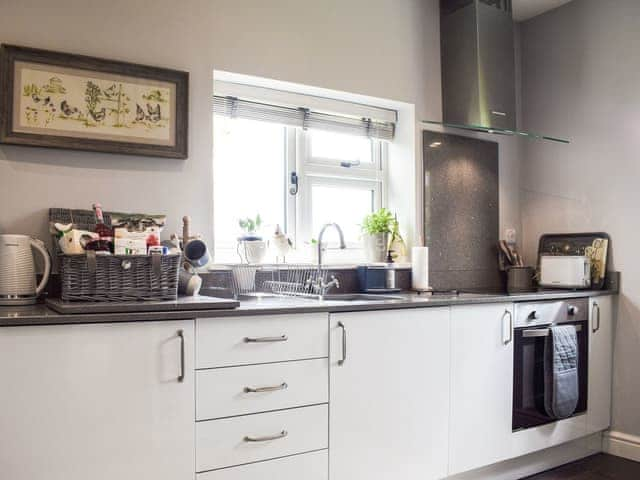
x: 510, y: 236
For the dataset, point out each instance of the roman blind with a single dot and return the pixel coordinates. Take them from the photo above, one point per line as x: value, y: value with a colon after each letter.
x: 303, y: 117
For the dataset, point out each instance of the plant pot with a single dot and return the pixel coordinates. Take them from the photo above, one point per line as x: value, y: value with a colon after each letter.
x: 252, y: 251
x: 376, y: 247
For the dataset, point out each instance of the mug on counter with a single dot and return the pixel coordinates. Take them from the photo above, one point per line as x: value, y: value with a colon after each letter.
x: 196, y: 253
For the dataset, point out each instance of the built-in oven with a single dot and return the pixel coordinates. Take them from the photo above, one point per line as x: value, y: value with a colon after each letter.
x: 532, y: 322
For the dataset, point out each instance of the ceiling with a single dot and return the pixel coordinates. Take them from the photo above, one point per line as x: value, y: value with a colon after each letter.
x: 526, y: 9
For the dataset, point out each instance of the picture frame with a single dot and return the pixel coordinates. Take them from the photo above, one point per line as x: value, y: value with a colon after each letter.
x: 63, y: 100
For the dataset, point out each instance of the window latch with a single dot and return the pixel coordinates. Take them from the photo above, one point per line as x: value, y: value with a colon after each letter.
x: 293, y: 189
x: 349, y: 164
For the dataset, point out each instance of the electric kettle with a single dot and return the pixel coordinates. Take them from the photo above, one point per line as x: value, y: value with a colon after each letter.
x: 17, y: 269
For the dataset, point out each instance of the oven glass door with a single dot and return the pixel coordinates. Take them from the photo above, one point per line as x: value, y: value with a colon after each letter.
x: 528, y: 377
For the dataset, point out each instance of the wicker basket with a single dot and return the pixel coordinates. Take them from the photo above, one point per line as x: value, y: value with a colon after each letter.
x: 119, y: 278
x: 112, y: 278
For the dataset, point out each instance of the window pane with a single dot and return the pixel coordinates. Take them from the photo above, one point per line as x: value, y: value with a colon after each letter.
x: 336, y: 146
x: 248, y: 178
x: 344, y: 205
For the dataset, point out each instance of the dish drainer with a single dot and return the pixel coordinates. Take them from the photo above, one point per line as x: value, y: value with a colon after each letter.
x: 298, y: 280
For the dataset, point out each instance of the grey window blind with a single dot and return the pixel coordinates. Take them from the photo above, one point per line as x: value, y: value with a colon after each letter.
x: 303, y: 117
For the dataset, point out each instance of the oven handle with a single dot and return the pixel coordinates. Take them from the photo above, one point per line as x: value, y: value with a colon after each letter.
x: 542, y: 332
x: 510, y: 338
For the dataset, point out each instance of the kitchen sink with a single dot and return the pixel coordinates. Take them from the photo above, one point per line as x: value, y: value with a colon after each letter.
x: 360, y: 297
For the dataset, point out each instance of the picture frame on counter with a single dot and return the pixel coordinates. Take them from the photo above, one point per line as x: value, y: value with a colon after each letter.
x: 63, y: 100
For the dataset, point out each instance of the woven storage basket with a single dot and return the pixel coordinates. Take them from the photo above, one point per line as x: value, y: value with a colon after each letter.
x: 119, y: 278
x: 112, y: 278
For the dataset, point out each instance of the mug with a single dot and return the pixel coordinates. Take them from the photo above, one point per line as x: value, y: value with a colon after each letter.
x: 74, y: 241
x: 189, y: 282
x: 196, y: 253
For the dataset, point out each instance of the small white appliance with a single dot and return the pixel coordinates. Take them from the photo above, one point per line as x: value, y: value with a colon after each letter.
x: 17, y: 269
x: 565, y: 271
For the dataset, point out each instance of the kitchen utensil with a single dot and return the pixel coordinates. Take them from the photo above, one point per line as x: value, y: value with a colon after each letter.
x: 189, y: 282
x: 504, y: 248
x: 520, y: 279
x: 196, y: 253
x: 17, y: 269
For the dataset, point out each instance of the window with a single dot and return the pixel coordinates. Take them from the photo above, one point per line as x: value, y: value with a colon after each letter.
x: 296, y: 177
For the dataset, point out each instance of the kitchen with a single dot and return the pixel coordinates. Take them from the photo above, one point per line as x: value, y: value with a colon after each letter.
x: 567, y: 79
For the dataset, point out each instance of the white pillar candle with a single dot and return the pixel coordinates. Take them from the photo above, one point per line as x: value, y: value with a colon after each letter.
x: 420, y: 268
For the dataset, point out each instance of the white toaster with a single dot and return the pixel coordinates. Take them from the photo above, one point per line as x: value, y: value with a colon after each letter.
x: 560, y: 271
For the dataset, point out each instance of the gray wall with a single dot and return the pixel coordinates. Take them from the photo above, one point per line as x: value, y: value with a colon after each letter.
x: 581, y: 78
x: 383, y: 48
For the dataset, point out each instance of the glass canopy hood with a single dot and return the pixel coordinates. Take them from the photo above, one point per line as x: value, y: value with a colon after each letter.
x: 497, y: 131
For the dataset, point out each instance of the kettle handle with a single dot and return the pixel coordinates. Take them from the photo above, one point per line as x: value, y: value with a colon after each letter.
x: 39, y: 246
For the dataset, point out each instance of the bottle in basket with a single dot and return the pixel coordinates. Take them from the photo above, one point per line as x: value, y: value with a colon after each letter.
x: 105, y: 243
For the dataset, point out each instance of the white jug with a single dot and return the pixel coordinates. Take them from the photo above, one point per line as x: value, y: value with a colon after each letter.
x: 17, y: 269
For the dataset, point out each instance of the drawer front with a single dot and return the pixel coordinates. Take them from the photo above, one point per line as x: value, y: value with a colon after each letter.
x: 224, y: 342
x: 225, y: 392
x: 227, y: 442
x: 308, y: 466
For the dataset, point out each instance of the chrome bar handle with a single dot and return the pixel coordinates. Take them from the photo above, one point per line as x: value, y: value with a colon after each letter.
x: 543, y: 332
x: 595, y: 310
x: 344, y: 343
x: 182, y: 369
x: 510, y: 338
x: 268, y: 438
x: 281, y: 338
x: 275, y: 388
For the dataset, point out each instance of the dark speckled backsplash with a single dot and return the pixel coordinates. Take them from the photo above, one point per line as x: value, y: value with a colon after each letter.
x: 461, y: 212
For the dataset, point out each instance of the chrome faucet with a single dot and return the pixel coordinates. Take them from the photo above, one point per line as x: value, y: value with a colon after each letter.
x: 321, y: 286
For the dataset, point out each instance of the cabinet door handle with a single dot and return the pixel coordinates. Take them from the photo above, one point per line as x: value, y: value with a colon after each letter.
x: 510, y: 337
x: 281, y: 338
x: 275, y: 388
x: 181, y: 336
x: 344, y: 344
x: 268, y: 438
x: 498, y: 113
x: 595, y: 314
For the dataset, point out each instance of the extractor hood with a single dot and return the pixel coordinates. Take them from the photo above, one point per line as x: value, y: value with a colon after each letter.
x: 478, y: 67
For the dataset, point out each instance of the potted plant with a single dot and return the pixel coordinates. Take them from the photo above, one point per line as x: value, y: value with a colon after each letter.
x: 376, y: 228
x: 251, y: 246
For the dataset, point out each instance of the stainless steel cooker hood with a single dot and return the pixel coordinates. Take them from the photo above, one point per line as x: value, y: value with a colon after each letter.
x: 478, y: 67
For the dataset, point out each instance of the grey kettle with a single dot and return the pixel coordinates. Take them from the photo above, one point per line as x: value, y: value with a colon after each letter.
x: 17, y: 269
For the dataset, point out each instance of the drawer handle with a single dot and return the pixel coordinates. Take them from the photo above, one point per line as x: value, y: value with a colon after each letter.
x: 275, y: 388
x: 268, y: 438
x: 282, y: 338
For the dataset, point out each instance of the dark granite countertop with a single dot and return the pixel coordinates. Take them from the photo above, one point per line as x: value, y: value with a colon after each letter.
x: 40, y: 314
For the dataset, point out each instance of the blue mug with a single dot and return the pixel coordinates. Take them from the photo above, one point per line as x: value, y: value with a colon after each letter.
x: 196, y: 253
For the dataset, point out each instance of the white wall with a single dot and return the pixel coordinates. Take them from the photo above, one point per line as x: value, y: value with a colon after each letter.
x: 382, y: 48
x: 581, y: 77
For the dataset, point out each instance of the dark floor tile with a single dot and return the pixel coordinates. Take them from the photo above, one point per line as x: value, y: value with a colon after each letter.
x: 596, y: 467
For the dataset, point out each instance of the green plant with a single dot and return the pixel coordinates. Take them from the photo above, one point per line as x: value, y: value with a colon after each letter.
x: 378, y: 222
x: 250, y: 225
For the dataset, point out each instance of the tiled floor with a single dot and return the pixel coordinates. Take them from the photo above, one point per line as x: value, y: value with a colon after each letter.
x: 598, y: 467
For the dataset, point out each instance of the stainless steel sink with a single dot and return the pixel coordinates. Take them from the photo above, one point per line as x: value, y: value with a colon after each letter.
x: 360, y: 297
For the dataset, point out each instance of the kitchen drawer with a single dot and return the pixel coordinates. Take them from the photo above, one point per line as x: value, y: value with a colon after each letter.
x: 224, y: 342
x: 308, y: 466
x: 224, y: 392
x: 225, y: 442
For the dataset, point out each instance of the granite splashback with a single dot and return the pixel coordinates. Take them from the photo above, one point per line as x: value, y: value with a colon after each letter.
x: 461, y: 215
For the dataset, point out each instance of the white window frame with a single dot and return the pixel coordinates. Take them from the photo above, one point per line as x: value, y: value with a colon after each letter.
x: 323, y: 171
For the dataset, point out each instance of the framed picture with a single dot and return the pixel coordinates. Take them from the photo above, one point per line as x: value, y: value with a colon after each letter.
x: 61, y: 100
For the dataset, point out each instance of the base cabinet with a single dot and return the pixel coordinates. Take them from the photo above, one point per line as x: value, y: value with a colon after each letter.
x: 481, y: 385
x: 99, y: 402
x: 389, y: 394
x: 601, y: 319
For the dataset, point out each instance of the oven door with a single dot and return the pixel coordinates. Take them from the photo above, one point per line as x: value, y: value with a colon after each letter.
x: 528, y: 375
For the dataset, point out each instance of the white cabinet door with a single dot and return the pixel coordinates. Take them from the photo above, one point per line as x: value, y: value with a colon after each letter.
x: 481, y: 385
x: 389, y: 396
x: 601, y: 318
x: 99, y: 402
